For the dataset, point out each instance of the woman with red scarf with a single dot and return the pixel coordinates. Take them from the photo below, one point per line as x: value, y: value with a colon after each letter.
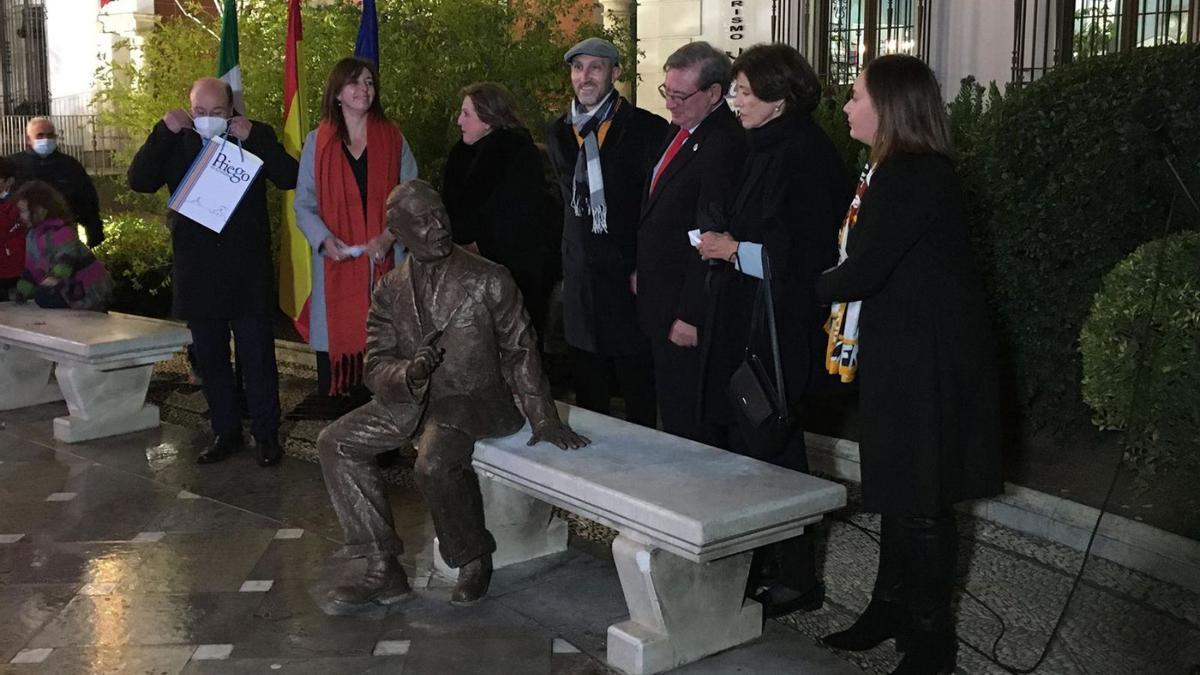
x: 349, y: 165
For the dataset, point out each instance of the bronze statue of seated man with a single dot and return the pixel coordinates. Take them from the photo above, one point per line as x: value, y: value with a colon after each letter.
x: 449, y: 347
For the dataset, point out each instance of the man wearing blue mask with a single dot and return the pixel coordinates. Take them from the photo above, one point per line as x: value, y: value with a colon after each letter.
x: 223, y: 282
x: 42, y: 160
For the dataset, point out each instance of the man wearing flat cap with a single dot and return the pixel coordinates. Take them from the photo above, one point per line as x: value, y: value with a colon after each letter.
x: 603, y: 150
x: 449, y: 348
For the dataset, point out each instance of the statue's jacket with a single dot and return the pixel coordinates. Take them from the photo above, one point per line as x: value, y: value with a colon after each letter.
x: 491, y: 362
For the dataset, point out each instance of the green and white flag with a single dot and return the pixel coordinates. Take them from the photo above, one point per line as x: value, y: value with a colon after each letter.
x: 228, y: 65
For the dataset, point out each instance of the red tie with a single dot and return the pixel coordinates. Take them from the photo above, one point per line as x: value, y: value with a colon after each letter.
x: 672, y: 150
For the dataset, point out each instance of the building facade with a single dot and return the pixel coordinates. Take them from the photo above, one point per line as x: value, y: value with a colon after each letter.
x: 992, y: 40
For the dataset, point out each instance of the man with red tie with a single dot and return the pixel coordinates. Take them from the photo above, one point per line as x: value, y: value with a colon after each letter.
x: 697, y: 165
x: 602, y: 150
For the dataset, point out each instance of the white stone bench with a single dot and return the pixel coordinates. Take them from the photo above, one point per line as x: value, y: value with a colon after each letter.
x: 688, y: 515
x: 101, y: 363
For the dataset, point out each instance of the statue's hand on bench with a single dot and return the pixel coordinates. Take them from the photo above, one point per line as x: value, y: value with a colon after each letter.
x: 559, y: 434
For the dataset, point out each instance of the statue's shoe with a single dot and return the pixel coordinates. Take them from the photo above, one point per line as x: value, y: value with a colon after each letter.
x: 383, y: 583
x: 473, y: 581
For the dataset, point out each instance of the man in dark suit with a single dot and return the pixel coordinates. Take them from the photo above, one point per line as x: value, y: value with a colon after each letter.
x: 449, y: 346
x: 602, y: 151
x: 223, y: 281
x: 697, y: 166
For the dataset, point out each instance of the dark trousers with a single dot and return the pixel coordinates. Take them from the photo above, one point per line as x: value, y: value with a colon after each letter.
x: 593, y: 376
x: 443, y: 473
x: 792, y: 562
x: 256, y: 358
x: 917, y: 557
x: 677, y: 372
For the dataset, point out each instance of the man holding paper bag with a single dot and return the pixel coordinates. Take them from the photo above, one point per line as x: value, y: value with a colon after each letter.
x: 222, y: 271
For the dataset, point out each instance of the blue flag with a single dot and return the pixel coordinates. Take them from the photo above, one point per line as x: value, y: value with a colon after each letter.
x: 367, y: 44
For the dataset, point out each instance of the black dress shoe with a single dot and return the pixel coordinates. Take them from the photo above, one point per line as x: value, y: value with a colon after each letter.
x: 779, y: 601
x: 268, y: 452
x: 223, y: 446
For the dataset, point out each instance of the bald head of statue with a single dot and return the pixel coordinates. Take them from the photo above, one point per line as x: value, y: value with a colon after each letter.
x: 416, y: 215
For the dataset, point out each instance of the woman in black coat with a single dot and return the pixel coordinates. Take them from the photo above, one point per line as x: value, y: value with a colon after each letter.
x: 909, y: 295
x: 495, y: 192
x: 787, y: 208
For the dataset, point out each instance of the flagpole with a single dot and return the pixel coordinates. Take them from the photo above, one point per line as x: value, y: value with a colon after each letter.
x: 295, y: 255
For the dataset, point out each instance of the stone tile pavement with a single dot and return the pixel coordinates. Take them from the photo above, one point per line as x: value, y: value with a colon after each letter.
x: 124, y: 556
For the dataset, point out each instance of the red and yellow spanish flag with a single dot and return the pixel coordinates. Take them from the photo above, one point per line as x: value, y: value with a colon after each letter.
x: 295, y: 271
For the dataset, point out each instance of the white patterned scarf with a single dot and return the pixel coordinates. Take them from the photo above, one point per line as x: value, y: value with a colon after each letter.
x: 587, y: 194
x: 841, y: 352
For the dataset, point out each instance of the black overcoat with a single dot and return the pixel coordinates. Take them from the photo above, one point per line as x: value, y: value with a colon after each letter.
x: 69, y: 177
x: 929, y: 429
x: 599, y: 312
x: 495, y: 194
x: 698, y: 180
x: 793, y: 193
x: 227, y: 275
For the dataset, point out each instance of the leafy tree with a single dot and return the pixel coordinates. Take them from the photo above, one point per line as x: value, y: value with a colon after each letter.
x: 429, y: 50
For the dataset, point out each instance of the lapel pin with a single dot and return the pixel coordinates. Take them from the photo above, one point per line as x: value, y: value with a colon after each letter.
x: 695, y: 147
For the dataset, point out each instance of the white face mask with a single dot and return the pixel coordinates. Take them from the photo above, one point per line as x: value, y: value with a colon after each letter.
x: 44, y: 146
x: 209, y: 127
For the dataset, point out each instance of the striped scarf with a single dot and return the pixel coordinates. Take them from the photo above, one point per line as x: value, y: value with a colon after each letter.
x: 841, y: 352
x: 587, y: 195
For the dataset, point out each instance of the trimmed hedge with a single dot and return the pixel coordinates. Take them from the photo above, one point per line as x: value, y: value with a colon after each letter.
x: 1141, y: 371
x: 1067, y: 189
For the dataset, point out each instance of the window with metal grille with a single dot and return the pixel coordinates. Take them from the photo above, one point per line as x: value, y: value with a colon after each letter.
x: 852, y: 32
x: 24, y: 73
x: 1052, y: 32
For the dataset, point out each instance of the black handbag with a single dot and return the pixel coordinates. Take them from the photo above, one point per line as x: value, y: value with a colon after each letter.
x: 760, y: 404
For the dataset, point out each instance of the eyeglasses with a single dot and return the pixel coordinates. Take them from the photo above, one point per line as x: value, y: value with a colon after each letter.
x: 677, y: 98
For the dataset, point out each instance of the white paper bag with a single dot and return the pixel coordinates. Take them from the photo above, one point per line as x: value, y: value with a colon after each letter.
x: 215, y: 184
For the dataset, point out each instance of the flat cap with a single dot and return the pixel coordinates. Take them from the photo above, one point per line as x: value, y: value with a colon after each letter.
x: 595, y: 46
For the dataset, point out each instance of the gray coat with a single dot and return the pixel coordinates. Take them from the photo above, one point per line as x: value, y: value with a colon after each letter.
x: 308, y: 218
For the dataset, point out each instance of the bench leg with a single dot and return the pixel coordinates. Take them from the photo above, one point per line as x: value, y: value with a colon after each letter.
x: 103, y: 403
x: 525, y: 528
x: 679, y: 611
x: 25, y: 379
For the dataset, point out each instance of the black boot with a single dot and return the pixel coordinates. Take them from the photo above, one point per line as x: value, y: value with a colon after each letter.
x: 383, y: 583
x: 929, y: 653
x: 886, y: 616
x: 931, y: 645
x: 473, y: 581
x: 880, y: 621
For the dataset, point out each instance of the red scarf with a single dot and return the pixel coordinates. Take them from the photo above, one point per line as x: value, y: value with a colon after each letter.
x: 348, y: 283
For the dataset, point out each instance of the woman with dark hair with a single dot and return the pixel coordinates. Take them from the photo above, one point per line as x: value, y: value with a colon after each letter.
x: 908, y: 295
x: 495, y: 192
x: 785, y: 211
x: 349, y: 165
x: 60, y: 272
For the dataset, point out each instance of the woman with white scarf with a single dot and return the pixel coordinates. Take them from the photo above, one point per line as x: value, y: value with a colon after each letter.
x: 910, y: 323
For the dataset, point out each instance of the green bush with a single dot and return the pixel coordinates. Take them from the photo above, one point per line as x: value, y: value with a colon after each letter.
x: 829, y: 116
x: 1141, y: 352
x: 137, y: 253
x: 1064, y: 178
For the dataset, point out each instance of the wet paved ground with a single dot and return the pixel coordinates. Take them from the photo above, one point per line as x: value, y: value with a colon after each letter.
x: 124, y: 556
